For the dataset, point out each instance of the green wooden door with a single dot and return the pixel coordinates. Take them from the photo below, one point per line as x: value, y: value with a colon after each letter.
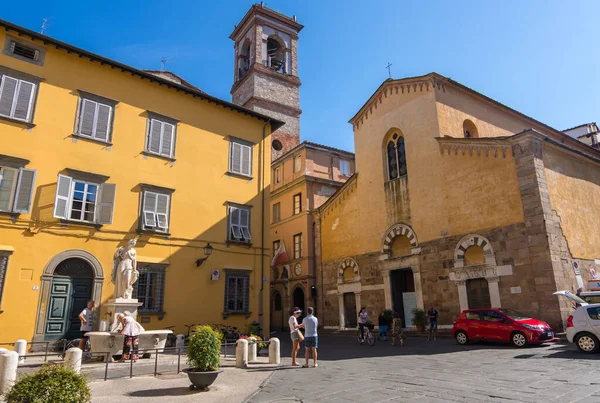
x: 68, y: 297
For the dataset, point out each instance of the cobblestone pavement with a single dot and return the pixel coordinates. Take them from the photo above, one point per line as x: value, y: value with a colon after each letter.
x: 435, y: 371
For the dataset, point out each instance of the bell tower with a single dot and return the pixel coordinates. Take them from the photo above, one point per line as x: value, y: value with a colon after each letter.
x: 266, y: 71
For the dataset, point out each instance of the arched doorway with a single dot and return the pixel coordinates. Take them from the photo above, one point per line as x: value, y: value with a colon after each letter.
x: 478, y: 293
x: 70, y: 279
x: 70, y: 290
x: 298, y: 298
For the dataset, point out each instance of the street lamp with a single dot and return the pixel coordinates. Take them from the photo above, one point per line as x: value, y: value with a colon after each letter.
x: 207, y: 252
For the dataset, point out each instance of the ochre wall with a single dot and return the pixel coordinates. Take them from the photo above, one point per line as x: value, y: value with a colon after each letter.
x: 574, y: 187
x: 198, y: 210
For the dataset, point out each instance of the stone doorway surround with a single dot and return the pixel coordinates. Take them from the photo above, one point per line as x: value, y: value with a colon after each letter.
x: 489, y: 270
x: 353, y: 286
x: 48, y: 274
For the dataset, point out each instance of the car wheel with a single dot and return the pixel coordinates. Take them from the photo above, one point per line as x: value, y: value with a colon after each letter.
x: 518, y: 339
x: 461, y: 337
x: 587, y: 342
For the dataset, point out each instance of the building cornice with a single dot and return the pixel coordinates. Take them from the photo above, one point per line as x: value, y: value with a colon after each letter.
x: 257, y: 69
x: 313, y: 146
x: 305, y: 178
x: 266, y: 103
x: 257, y: 11
x: 486, y: 147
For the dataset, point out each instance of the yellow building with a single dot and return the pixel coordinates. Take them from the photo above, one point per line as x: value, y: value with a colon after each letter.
x: 94, y: 153
x: 302, y: 180
x: 458, y: 202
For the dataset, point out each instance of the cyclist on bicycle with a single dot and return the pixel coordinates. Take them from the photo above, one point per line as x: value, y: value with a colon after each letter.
x: 362, y: 322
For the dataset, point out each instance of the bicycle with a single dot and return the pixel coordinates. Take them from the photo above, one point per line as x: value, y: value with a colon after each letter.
x: 368, y: 335
x: 63, y: 345
x: 189, y: 330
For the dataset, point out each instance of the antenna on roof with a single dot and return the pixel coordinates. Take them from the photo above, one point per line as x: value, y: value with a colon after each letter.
x: 163, y: 62
x: 45, y: 25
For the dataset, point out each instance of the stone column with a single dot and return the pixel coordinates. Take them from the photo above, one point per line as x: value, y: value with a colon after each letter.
x: 342, y: 323
x: 494, y: 291
x: 418, y: 289
x: 241, y: 353
x: 463, y: 298
x: 274, y: 351
x: 9, y: 361
x: 358, y: 303
x: 251, y: 349
x: 387, y: 289
x: 21, y: 349
x: 73, y: 359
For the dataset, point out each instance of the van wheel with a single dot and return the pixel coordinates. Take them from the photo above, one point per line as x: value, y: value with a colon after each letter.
x: 587, y: 342
x: 518, y: 339
x: 461, y: 338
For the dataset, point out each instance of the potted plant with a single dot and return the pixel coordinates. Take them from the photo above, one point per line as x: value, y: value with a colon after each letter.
x: 419, y: 319
x: 204, y: 357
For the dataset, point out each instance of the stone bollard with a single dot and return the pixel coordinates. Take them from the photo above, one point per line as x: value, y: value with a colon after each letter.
x: 180, y: 342
x: 274, y: 351
x: 9, y: 361
x: 21, y: 349
x: 252, y: 349
x: 241, y: 353
x: 73, y: 359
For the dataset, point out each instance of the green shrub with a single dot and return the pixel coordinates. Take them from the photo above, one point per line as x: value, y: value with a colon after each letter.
x: 389, y: 316
x: 52, y: 384
x: 419, y: 318
x: 204, y: 349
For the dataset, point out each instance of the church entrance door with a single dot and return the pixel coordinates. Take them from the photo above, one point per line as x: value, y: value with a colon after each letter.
x: 478, y: 293
x: 350, y: 313
x: 404, y: 298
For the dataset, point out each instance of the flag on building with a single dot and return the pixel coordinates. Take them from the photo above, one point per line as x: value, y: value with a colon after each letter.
x: 280, y: 255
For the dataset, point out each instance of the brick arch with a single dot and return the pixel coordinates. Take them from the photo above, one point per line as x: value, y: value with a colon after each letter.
x: 471, y: 240
x: 348, y: 262
x: 395, y: 231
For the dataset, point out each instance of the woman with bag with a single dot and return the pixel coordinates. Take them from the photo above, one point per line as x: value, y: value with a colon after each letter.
x: 295, y: 334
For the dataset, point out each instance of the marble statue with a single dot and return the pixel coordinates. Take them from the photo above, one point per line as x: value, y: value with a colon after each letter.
x: 125, y: 274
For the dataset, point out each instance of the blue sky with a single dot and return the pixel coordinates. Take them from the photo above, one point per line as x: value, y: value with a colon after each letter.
x: 540, y: 57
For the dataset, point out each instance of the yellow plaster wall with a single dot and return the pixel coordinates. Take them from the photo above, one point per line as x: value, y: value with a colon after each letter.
x: 574, y: 188
x: 340, y: 229
x: 198, y: 211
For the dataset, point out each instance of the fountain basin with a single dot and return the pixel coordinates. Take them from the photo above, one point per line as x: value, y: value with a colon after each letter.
x: 112, y: 343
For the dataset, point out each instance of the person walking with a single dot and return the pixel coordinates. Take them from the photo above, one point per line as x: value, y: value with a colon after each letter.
x: 295, y: 334
x: 362, y: 322
x: 87, y: 319
x: 433, y: 316
x: 383, y: 327
x: 311, y: 340
x: 131, y: 330
x: 397, y: 331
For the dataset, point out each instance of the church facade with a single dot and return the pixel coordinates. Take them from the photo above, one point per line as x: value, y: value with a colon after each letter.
x: 458, y: 202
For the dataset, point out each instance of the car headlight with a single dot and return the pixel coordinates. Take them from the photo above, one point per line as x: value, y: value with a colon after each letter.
x: 531, y: 327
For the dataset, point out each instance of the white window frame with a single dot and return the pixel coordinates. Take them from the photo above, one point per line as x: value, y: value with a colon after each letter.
x: 19, y: 81
x: 278, y: 218
x: 278, y: 175
x: 163, y: 122
x: 298, y: 236
x: 146, y: 211
x: 105, y: 198
x: 245, y: 163
x: 344, y: 167
x: 71, y: 201
x: 97, y: 105
x: 237, y: 232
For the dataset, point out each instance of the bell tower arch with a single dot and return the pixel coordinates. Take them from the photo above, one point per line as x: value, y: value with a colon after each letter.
x: 266, y: 71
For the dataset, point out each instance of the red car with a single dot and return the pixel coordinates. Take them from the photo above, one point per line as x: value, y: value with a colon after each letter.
x: 501, y: 325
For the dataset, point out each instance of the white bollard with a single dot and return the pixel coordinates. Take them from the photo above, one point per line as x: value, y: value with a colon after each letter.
x: 241, y: 353
x: 274, y: 351
x: 73, y: 359
x: 251, y: 349
x: 9, y: 361
x: 21, y: 349
x: 180, y: 342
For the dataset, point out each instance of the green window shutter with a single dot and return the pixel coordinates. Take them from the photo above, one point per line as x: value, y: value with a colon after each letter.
x: 106, y: 206
x: 86, y: 118
x: 24, y: 193
x: 149, y: 209
x: 24, y: 100
x: 246, y: 160
x: 63, y: 193
x: 168, y: 134
x: 8, y: 90
x: 162, y: 211
x: 103, y: 116
x: 234, y: 223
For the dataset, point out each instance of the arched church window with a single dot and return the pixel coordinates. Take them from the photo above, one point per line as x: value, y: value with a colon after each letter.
x: 392, y: 160
x: 244, y: 59
x: 275, y: 54
x: 469, y: 129
x: 401, y: 156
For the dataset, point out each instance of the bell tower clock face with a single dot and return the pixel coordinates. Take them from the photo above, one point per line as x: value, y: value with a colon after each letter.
x: 298, y: 269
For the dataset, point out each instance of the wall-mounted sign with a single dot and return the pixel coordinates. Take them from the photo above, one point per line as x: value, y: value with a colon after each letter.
x: 515, y: 290
x: 214, y: 275
x: 578, y: 275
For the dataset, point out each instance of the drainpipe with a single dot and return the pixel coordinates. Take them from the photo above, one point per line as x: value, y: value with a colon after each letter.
x: 262, y: 235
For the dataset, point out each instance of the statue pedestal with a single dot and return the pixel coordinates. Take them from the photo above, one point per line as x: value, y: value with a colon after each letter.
x: 120, y: 305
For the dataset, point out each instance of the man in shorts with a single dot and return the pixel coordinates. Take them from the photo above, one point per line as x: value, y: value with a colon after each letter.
x: 87, y: 319
x: 311, y: 338
x: 433, y: 316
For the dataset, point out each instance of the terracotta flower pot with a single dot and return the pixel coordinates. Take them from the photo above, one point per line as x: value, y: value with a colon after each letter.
x: 201, y: 380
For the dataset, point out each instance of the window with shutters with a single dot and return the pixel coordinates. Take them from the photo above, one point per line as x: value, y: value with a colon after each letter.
x: 297, y: 246
x: 276, y: 212
x: 156, y: 208
x: 3, y: 269
x: 297, y: 203
x: 297, y: 163
x: 24, y: 50
x: 16, y: 189
x: 276, y: 245
x: 277, y: 175
x: 150, y: 287
x: 160, y: 139
x: 84, y: 201
x: 239, y: 223
x: 240, y: 157
x: 237, y: 292
x: 95, y: 117
x: 17, y: 98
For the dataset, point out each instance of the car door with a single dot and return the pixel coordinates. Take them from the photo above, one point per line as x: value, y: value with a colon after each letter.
x: 495, y: 326
x: 473, y: 325
x: 593, y: 318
